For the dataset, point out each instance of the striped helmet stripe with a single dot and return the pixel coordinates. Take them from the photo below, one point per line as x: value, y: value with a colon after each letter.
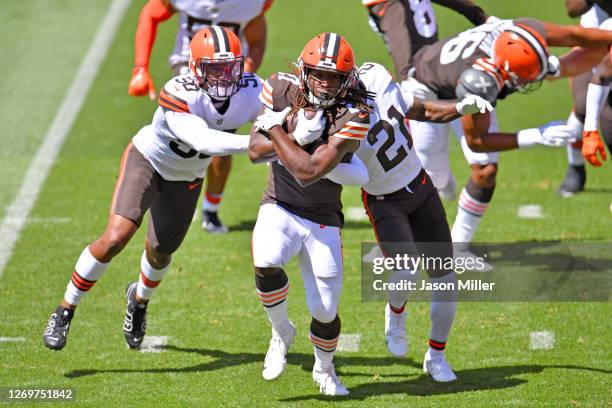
x: 220, y: 39
x: 331, y: 47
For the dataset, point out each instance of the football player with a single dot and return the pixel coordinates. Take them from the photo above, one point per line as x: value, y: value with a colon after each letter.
x: 162, y: 170
x: 408, y: 25
x: 492, y: 60
x: 245, y: 19
x: 301, y: 211
x: 592, y: 15
x: 405, y: 209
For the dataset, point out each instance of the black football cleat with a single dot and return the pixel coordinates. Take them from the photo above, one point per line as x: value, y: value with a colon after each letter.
x: 575, y: 179
x: 135, y: 322
x: 56, y: 332
x: 212, y: 223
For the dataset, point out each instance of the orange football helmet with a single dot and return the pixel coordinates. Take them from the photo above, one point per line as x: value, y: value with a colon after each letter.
x: 216, y: 61
x: 521, y: 55
x: 327, y: 69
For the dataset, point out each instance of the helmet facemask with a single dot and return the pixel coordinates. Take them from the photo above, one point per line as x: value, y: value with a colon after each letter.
x: 219, y: 78
x: 324, y: 87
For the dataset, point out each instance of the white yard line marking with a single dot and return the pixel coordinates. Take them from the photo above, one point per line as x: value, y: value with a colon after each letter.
x: 12, y: 339
x: 18, y: 211
x: 349, y: 342
x: 153, y: 344
x: 356, y: 214
x: 39, y: 220
x: 530, y: 211
x: 541, y: 340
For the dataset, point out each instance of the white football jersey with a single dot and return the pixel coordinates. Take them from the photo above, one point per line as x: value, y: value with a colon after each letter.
x: 193, y: 112
x: 594, y: 17
x: 387, y: 151
x: 197, y: 14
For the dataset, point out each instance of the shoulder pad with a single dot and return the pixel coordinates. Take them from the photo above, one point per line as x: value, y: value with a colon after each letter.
x: 374, y: 76
x: 178, y: 92
x: 476, y: 82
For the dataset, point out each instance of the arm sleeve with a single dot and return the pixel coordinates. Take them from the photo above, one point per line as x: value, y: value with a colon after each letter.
x: 194, y: 132
x: 153, y: 13
x: 595, y: 99
x: 471, y: 11
x: 353, y: 173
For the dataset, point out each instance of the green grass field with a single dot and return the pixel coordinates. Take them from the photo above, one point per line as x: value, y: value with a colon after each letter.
x: 207, y: 306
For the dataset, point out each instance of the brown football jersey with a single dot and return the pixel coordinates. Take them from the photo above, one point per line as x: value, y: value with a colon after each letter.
x: 440, y: 65
x: 318, y: 202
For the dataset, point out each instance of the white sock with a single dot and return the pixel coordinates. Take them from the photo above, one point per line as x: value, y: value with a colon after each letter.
x: 574, y: 154
x: 279, y: 318
x: 211, y: 202
x: 443, y: 308
x: 323, y: 359
x: 86, y: 272
x: 469, y: 215
x: 397, y: 298
x: 149, y: 278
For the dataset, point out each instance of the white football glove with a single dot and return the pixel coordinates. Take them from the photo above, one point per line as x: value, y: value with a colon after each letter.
x: 308, y: 130
x: 473, y: 104
x: 269, y: 119
x: 554, y: 67
x: 555, y: 133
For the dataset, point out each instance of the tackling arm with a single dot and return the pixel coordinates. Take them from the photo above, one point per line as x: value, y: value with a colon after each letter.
x: 471, y: 11
x: 255, y: 33
x: 430, y: 111
x: 478, y: 138
x: 305, y: 167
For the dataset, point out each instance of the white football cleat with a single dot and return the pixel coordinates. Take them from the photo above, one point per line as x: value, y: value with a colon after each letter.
x: 449, y: 192
x: 478, y: 262
x: 395, y: 332
x: 328, y: 382
x: 276, y: 357
x: 438, y: 368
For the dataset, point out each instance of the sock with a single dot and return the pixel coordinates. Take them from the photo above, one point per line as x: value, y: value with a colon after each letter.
x: 211, y: 202
x: 442, y: 313
x: 149, y: 278
x: 86, y: 272
x: 272, y: 290
x: 398, y: 298
x: 473, y: 203
x: 325, y: 338
x: 574, y: 150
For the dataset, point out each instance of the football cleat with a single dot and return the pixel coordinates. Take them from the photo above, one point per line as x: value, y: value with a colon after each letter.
x: 212, y: 223
x: 135, y: 322
x: 395, y: 332
x: 276, y: 357
x: 56, y: 332
x: 575, y: 179
x: 328, y: 382
x: 438, y: 368
x: 449, y: 192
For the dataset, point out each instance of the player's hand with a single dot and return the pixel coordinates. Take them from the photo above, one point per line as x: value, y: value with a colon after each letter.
x: 308, y: 130
x: 591, y: 144
x: 269, y: 119
x: 556, y: 133
x: 473, y: 104
x: 141, y: 83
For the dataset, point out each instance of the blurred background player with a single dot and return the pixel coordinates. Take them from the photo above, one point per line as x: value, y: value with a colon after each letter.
x: 405, y: 209
x: 162, y: 171
x: 246, y: 19
x: 408, y: 25
x: 592, y: 15
x: 493, y: 61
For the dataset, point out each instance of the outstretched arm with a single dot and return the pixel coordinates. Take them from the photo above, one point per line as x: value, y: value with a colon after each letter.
x: 255, y: 33
x: 442, y: 112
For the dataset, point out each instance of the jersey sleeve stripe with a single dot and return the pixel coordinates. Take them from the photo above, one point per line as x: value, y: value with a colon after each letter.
x: 350, y: 135
x: 356, y: 125
x: 266, y: 99
x: 267, y: 87
x: 173, y: 100
x: 168, y: 104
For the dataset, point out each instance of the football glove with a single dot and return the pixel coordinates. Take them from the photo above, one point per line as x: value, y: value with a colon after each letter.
x: 141, y: 83
x: 473, y: 104
x: 555, y: 133
x: 591, y: 144
x: 269, y: 119
x: 308, y: 130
